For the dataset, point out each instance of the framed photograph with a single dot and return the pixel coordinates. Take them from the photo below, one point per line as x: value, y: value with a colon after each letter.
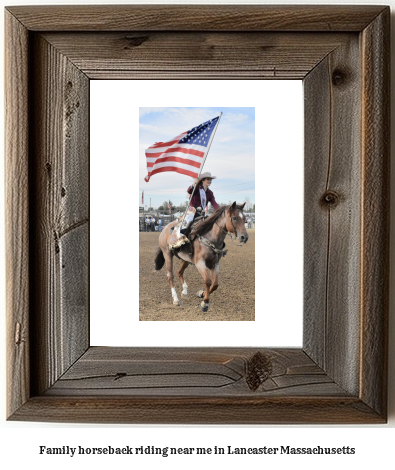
x: 340, y: 54
x: 226, y: 154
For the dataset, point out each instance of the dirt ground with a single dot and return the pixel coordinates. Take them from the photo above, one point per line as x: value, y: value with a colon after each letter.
x: 234, y: 300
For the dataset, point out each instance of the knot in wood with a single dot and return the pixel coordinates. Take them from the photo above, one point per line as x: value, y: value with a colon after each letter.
x: 259, y: 369
x: 133, y: 42
x: 339, y: 77
x: 330, y: 199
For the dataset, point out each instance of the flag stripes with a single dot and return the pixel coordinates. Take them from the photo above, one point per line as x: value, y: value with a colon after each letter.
x: 160, y: 161
x: 151, y: 157
x: 183, y: 154
x: 177, y: 169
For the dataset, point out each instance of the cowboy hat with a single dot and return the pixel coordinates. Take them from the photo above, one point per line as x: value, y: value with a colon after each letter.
x: 206, y: 175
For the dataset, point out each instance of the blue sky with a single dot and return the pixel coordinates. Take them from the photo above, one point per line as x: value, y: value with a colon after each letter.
x: 231, y: 157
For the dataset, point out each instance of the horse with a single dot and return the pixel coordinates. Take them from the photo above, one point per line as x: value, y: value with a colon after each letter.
x: 205, y: 250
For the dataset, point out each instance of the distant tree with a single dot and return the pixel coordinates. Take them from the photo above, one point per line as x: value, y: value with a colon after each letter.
x: 165, y: 206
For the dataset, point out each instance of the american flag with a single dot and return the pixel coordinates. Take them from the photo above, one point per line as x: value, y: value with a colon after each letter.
x: 183, y: 154
x: 142, y: 198
x: 169, y: 206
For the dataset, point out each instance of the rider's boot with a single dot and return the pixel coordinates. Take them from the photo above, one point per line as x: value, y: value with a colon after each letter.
x: 190, y: 215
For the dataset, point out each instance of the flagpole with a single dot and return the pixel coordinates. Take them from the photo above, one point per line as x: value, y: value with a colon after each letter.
x: 209, y: 145
x: 201, y: 168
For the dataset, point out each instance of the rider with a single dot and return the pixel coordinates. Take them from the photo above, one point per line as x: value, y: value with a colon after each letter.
x: 201, y: 197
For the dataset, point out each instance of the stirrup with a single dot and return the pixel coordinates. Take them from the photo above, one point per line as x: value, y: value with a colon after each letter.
x: 177, y: 239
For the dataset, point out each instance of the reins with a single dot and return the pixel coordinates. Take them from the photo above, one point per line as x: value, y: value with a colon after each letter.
x: 229, y: 233
x: 211, y: 245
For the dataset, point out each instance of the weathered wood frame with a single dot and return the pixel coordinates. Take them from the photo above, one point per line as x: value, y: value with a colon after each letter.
x: 342, y: 55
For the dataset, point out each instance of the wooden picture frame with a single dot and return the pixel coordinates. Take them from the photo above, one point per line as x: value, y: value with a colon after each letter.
x: 340, y: 374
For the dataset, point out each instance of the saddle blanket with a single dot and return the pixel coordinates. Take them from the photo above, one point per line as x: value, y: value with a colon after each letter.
x: 177, y: 239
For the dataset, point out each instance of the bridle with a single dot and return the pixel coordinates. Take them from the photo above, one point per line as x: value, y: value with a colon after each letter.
x: 226, y: 231
x: 211, y: 245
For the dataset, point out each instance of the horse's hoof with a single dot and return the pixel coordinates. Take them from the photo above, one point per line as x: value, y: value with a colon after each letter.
x: 204, y: 307
x: 176, y: 302
x: 184, y: 296
x: 200, y: 294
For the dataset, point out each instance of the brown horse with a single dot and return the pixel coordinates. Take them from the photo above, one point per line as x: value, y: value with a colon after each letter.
x: 207, y: 249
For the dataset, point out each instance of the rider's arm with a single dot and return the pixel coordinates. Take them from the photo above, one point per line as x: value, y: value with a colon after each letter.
x: 190, y: 189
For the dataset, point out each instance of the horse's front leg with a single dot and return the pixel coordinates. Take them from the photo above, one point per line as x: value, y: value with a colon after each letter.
x: 210, y: 278
x: 206, y: 298
x: 180, y: 273
x: 214, y: 279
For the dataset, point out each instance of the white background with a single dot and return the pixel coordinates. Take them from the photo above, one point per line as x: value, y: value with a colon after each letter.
x: 113, y: 223
x: 19, y: 441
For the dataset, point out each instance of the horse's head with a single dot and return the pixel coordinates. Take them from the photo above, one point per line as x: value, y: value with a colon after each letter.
x: 235, y: 222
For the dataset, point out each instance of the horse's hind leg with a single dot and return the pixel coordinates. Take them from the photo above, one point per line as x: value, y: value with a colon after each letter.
x: 180, y: 273
x: 170, y: 277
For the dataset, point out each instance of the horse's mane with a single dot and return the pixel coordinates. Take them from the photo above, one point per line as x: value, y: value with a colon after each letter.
x: 208, y: 223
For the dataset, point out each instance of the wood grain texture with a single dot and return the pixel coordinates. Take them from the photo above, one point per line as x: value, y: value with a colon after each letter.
x: 198, y: 410
x: 17, y: 213
x: 148, y: 55
x: 332, y: 214
x: 339, y: 376
x: 317, y: 115
x: 74, y: 292
x: 193, y: 372
x: 60, y: 203
x: 196, y: 17
x: 375, y: 212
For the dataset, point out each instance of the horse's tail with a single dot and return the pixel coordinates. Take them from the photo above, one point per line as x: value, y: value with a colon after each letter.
x: 159, y: 260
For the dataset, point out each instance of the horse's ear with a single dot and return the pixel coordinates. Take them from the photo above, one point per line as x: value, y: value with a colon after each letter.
x: 232, y: 207
x: 242, y: 205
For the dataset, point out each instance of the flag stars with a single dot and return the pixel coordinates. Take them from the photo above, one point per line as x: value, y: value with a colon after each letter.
x: 200, y: 135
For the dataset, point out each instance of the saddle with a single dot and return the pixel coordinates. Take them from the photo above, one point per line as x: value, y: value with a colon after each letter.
x: 180, y: 240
